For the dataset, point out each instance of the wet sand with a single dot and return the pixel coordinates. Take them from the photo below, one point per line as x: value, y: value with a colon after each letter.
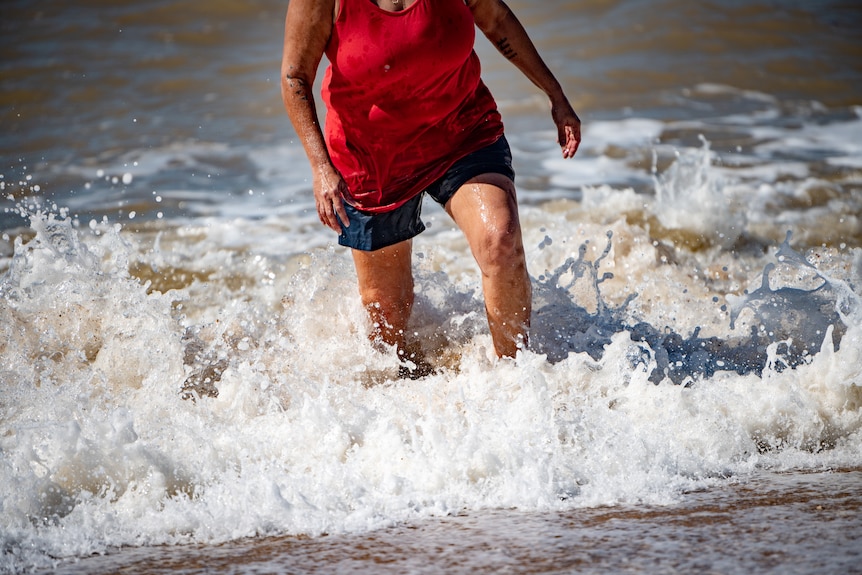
x: 771, y: 523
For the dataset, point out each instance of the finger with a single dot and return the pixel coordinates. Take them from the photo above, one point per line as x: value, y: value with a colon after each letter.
x: 331, y: 220
x: 327, y: 216
x: 342, y: 213
x: 572, y: 147
x: 564, y: 138
x: 571, y: 142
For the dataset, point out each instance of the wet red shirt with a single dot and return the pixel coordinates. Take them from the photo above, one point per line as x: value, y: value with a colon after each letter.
x: 404, y: 98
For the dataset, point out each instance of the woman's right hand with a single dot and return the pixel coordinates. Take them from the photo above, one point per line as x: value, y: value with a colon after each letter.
x: 329, y: 191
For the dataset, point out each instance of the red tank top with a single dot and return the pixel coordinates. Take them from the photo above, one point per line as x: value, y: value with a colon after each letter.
x: 404, y: 98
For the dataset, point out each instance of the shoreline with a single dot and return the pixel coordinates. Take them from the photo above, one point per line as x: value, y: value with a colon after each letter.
x: 789, y: 522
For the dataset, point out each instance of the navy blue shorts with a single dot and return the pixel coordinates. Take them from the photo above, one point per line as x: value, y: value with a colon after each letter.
x: 372, y: 231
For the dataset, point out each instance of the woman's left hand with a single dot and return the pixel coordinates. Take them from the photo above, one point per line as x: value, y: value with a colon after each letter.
x: 568, y: 127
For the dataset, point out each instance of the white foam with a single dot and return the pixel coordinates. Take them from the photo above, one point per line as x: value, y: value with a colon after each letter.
x: 300, y: 440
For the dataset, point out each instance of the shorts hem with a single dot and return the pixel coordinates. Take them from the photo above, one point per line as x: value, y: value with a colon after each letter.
x: 468, y: 174
x: 370, y: 245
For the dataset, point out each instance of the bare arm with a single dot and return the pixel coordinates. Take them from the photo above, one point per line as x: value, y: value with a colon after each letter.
x: 502, y: 28
x: 307, y: 28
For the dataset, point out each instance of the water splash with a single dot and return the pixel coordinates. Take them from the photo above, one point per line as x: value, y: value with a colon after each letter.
x: 692, y: 197
x: 790, y: 324
x: 797, y: 316
x: 559, y: 325
x: 52, y: 264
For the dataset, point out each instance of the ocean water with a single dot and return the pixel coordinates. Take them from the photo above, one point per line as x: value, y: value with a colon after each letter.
x: 185, y: 381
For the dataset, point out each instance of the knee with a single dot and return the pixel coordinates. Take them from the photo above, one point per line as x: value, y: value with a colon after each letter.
x: 501, y: 248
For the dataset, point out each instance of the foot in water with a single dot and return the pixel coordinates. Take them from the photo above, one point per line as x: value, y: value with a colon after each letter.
x: 413, y: 363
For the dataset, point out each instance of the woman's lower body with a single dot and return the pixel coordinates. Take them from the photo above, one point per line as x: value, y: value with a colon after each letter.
x: 478, y: 192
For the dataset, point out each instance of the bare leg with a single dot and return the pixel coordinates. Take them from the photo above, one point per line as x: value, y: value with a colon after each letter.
x: 486, y: 210
x: 386, y: 288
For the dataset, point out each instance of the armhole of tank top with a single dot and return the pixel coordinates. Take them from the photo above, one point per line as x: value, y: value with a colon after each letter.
x: 339, y: 5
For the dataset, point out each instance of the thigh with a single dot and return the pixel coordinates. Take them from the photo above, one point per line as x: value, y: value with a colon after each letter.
x: 493, y: 159
x: 486, y: 210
